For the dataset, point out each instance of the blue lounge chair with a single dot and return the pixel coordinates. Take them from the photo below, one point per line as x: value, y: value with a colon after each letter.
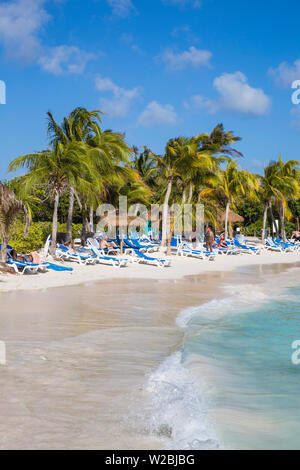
x: 21, y: 267
x: 134, y: 245
x: 141, y: 243
x: 186, y: 250
x: 68, y: 255
x: 102, y: 259
x: 140, y: 257
x: 93, y: 243
x: 252, y: 250
x: 271, y: 245
x: 287, y: 245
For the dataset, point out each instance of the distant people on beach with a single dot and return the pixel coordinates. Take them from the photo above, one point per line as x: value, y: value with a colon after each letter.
x: 210, y: 239
x: 238, y: 235
x: 296, y: 236
x: 106, y: 245
x: 16, y: 257
x: 222, y: 243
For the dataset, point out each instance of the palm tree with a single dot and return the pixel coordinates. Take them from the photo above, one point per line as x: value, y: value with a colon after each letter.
x: 267, y: 193
x: 286, y: 184
x: 56, y: 170
x: 79, y: 127
x: 180, y: 156
x: 109, y: 157
x: 10, y: 208
x: 229, y: 184
x: 220, y: 141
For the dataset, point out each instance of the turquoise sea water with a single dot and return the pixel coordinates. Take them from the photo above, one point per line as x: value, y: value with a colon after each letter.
x: 233, y: 383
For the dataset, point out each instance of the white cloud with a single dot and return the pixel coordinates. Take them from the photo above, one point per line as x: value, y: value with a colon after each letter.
x: 235, y: 95
x: 121, y: 7
x: 193, y: 56
x: 184, y: 3
x: 156, y: 113
x: 200, y: 102
x: 122, y: 100
x: 238, y: 96
x: 65, y: 59
x: 285, y: 73
x: 20, y: 23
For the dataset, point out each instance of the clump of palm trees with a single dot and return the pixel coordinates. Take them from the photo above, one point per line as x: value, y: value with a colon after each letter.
x: 92, y: 166
x: 10, y: 208
x: 82, y: 160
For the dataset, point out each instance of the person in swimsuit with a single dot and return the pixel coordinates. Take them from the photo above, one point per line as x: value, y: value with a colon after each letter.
x: 222, y: 243
x: 210, y: 239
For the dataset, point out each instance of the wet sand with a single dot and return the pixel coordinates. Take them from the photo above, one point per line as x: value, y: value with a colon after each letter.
x: 78, y: 358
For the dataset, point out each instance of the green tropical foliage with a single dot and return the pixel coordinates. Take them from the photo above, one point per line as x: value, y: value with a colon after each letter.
x: 85, y: 166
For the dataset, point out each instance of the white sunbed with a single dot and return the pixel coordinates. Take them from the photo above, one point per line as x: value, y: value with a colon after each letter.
x: 101, y: 258
x: 186, y: 250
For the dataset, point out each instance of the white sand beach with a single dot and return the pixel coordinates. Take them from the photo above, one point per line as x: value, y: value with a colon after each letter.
x: 181, y: 267
x: 86, y: 364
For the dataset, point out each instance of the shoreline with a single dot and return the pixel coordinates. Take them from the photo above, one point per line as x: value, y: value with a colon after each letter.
x: 72, y: 350
x: 180, y: 268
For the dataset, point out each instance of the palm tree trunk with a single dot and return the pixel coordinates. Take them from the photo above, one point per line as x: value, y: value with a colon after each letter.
x: 91, y: 228
x: 54, y: 225
x: 190, y: 193
x: 226, y: 218
x: 273, y: 218
x: 165, y: 213
x: 85, y: 223
x: 184, y: 195
x: 265, y: 222
x: 70, y: 214
x: 4, y: 240
x: 297, y: 223
x: 282, y: 217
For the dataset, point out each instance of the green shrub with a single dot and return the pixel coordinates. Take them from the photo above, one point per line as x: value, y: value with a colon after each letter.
x: 37, y: 236
x: 254, y: 229
x: 34, y: 240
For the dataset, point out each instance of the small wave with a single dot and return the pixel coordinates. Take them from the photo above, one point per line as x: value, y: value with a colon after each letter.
x: 239, y: 299
x: 177, y: 409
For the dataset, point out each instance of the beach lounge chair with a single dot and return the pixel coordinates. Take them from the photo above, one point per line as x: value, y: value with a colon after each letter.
x: 175, y: 245
x: 94, y: 243
x: 68, y: 255
x: 186, y: 250
x: 147, y: 240
x: 252, y: 250
x: 151, y: 247
x: 272, y: 246
x: 112, y: 261
x: 288, y: 245
x: 139, y: 257
x: 135, y: 245
x: 21, y: 267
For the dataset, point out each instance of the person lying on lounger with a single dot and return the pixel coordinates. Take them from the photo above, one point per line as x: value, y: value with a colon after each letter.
x: 33, y: 257
x: 70, y: 245
x: 16, y: 257
x: 105, y: 245
x: 296, y: 236
x: 222, y: 243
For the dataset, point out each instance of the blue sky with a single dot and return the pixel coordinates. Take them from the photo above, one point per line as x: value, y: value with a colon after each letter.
x: 158, y: 69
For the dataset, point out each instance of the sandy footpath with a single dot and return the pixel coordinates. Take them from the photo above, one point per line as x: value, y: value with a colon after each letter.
x: 181, y: 266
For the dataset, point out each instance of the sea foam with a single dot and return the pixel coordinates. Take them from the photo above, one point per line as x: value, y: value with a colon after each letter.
x: 240, y: 298
x: 177, y: 409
